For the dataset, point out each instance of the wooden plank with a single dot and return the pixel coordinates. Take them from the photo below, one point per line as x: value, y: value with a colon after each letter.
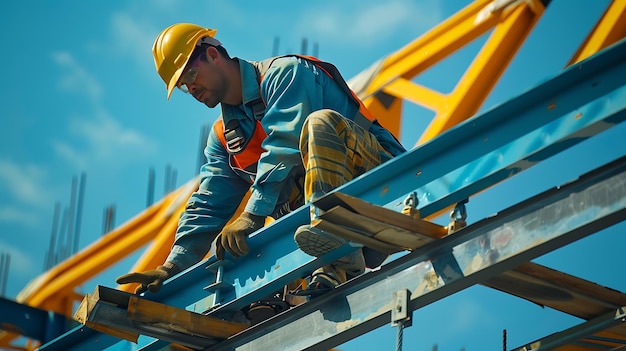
x: 371, y: 228
x: 560, y: 291
x: 126, y: 316
x: 381, y: 214
x: 89, y: 308
x: 176, y: 319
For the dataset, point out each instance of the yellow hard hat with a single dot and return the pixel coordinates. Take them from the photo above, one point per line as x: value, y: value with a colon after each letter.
x: 173, y: 47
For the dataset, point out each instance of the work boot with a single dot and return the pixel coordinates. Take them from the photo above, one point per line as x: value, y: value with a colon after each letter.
x: 262, y: 310
x: 316, y: 242
x: 323, y: 280
x: 353, y: 263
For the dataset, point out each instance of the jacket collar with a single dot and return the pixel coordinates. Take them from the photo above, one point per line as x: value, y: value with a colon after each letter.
x: 250, y: 91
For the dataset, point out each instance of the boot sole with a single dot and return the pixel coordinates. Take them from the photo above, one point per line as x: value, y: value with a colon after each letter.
x: 316, y: 243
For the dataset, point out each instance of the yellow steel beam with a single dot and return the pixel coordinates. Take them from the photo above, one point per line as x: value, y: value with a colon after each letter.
x: 416, y: 93
x: 434, y: 45
x: 393, y: 83
x: 54, y: 290
x: 609, y: 29
x: 484, y: 72
x: 415, y: 58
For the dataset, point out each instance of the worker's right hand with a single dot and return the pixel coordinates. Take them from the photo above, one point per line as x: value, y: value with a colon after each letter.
x: 232, y: 238
x: 149, y: 280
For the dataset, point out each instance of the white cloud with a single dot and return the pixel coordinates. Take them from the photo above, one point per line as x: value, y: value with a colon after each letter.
x: 72, y: 155
x: 25, y: 183
x: 76, y: 78
x: 369, y: 24
x: 19, y: 263
x: 106, y: 135
x: 101, y: 139
x: 133, y: 36
x: 15, y: 215
x: 362, y: 23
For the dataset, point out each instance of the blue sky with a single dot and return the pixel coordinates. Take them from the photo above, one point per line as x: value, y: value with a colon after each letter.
x: 84, y: 97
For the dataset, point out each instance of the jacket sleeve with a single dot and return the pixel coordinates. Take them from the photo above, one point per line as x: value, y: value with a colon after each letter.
x: 209, y: 208
x: 292, y: 89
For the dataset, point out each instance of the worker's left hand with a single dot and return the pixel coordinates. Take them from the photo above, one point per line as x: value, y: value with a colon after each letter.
x: 233, y: 236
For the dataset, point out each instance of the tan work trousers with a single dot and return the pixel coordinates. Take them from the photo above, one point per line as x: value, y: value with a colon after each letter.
x: 334, y: 151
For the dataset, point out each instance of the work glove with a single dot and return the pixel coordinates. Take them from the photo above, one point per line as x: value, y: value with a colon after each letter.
x: 150, y: 280
x: 233, y: 237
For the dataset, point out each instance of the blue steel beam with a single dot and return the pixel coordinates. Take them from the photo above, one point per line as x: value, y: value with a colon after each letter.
x: 31, y: 322
x: 583, y: 100
x: 575, y: 105
x: 516, y: 235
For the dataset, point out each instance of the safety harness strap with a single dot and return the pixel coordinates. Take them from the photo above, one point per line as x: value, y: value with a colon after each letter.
x: 234, y: 138
x: 363, y: 117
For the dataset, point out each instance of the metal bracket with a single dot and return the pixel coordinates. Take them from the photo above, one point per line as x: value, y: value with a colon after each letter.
x: 458, y: 217
x: 401, y: 314
x: 217, y: 287
x: 410, y: 206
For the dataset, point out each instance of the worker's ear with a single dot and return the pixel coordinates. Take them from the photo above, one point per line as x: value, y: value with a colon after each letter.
x: 211, y: 53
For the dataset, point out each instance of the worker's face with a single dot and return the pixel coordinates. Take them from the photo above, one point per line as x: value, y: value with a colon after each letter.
x: 209, y: 84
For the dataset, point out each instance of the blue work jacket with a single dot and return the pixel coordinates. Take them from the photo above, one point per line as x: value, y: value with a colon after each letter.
x: 292, y: 88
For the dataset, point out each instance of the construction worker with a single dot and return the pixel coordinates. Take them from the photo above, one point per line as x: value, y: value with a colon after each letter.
x: 290, y: 131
